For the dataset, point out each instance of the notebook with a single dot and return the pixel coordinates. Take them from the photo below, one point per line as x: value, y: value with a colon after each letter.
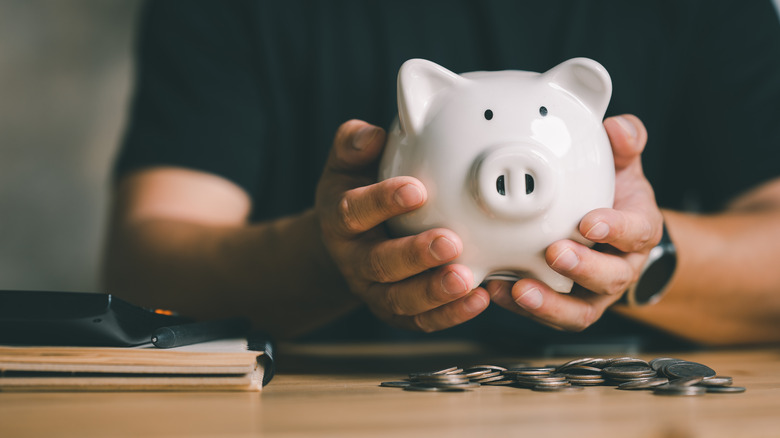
x: 223, y: 365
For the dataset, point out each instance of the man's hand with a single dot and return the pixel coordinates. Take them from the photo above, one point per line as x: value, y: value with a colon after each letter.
x: 403, y: 281
x: 624, y: 235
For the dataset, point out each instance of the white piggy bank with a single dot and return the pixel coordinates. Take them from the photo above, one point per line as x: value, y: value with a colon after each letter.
x: 512, y: 160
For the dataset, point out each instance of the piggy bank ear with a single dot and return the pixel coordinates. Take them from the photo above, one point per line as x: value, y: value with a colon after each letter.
x: 586, y: 80
x: 420, y: 82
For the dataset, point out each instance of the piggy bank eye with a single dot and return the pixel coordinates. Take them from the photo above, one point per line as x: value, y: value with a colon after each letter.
x: 488, y: 114
x: 543, y: 110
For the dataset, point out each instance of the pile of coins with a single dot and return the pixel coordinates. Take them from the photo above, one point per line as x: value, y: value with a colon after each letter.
x: 664, y: 376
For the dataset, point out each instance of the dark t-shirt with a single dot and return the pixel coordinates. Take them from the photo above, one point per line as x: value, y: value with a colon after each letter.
x: 254, y: 90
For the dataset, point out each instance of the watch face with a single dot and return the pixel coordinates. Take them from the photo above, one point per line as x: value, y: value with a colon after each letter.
x: 655, y: 278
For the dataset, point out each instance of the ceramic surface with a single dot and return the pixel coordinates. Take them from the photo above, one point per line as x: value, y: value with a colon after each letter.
x: 512, y: 160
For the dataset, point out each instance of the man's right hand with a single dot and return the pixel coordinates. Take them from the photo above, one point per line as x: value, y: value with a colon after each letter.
x: 404, y: 281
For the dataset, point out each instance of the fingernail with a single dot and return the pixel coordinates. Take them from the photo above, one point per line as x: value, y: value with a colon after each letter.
x: 453, y: 284
x: 475, y: 303
x: 566, y: 260
x: 496, y: 288
x: 364, y: 137
x: 443, y: 249
x: 408, y: 195
x: 627, y: 126
x: 531, y: 300
x: 598, y: 231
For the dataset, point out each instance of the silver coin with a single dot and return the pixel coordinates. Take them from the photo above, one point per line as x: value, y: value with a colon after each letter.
x: 669, y: 389
x: 530, y: 371
x: 626, y: 361
x: 629, y: 370
x: 575, y: 362
x: 466, y: 385
x: 396, y: 384
x: 644, y: 384
x: 485, y: 367
x: 690, y: 381
x: 726, y: 389
x: 446, y: 370
x: 659, y: 362
x: 584, y: 376
x: 428, y: 388
x: 587, y: 382
x: 716, y: 381
x: 489, y: 380
x: 476, y: 374
x: 487, y: 375
x: 679, y: 370
x: 582, y: 369
x: 548, y: 378
x: 503, y: 382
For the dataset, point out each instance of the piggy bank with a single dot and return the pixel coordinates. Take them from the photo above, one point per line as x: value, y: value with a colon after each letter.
x: 511, y: 160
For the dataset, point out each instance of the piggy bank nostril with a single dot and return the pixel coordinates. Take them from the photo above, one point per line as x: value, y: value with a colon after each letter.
x: 500, y: 187
x: 529, y: 184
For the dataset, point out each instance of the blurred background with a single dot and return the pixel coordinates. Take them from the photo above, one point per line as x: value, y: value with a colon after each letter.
x: 65, y: 81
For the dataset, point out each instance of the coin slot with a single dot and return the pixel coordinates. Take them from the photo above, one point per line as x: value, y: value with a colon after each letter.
x: 529, y: 184
x: 500, y: 186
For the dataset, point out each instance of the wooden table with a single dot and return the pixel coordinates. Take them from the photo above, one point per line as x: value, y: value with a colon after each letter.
x: 333, y: 391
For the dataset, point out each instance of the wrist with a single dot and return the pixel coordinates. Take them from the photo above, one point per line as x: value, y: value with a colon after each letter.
x: 656, y: 274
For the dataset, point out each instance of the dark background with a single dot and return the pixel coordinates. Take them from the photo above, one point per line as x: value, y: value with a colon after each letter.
x: 65, y: 81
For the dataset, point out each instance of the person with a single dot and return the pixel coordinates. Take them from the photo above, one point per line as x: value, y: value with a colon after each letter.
x: 233, y: 197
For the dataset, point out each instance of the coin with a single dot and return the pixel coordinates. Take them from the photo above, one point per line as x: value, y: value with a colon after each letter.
x: 446, y: 370
x: 501, y: 382
x: 664, y: 375
x: 490, y: 379
x: 586, y: 361
x: 670, y: 389
x: 716, y: 381
x: 429, y: 388
x: 626, y: 361
x: 396, y: 384
x: 690, y: 381
x: 644, y: 384
x: 583, y: 370
x: 659, y: 362
x: 587, y: 382
x: 530, y: 371
x: 726, y: 389
x: 476, y: 374
x: 685, y: 369
x: 486, y: 367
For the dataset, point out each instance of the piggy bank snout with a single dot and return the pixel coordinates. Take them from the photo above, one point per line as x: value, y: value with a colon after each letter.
x: 513, y: 181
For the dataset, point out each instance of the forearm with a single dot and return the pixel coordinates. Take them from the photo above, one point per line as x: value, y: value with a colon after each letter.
x: 277, y: 273
x: 726, y: 289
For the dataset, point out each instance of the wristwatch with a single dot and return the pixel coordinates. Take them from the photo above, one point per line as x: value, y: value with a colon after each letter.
x: 655, y: 276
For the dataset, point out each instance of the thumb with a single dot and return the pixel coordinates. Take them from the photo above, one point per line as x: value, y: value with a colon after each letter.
x: 357, y: 145
x: 628, y: 137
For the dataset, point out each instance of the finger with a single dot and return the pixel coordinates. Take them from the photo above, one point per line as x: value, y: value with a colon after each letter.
x: 396, y: 259
x: 501, y: 294
x: 453, y: 313
x: 363, y: 208
x: 573, y: 312
x: 423, y: 292
x: 356, y: 147
x: 596, y: 271
x: 628, y: 137
x: 628, y: 231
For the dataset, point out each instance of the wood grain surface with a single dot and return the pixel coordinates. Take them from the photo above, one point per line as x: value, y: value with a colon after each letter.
x: 335, y: 392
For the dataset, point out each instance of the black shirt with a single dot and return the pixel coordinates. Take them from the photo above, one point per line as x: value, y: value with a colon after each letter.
x: 254, y: 90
